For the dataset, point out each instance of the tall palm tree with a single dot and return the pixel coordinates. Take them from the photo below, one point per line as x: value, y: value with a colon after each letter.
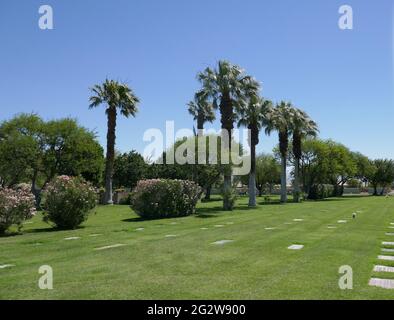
x: 253, y: 115
x: 202, y: 111
x: 117, y: 97
x: 302, y: 126
x: 279, y: 119
x: 225, y: 86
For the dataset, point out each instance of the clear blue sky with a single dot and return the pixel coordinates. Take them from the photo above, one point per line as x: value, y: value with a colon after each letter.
x: 343, y: 79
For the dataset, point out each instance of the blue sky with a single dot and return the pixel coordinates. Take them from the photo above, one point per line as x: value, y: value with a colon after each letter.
x: 343, y: 79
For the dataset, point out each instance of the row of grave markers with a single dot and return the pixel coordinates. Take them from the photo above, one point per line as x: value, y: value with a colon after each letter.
x: 381, y: 282
x: 219, y: 242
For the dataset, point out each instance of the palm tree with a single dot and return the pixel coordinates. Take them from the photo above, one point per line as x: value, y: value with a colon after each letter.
x: 225, y: 86
x: 253, y: 116
x: 116, y: 96
x: 202, y: 111
x: 302, y: 126
x: 279, y: 119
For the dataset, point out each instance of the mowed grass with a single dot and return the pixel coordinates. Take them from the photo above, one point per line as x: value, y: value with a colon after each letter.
x: 257, y: 265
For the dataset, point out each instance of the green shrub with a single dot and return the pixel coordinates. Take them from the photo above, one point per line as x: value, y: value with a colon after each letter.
x: 16, y: 206
x: 162, y: 198
x: 68, y: 202
x: 229, y: 197
x: 321, y: 191
x: 125, y: 200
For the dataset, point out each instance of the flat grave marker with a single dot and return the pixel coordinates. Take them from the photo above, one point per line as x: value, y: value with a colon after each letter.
x: 386, y: 258
x: 221, y: 242
x: 72, y: 238
x: 296, y: 247
x: 382, y: 283
x: 383, y: 269
x: 110, y: 247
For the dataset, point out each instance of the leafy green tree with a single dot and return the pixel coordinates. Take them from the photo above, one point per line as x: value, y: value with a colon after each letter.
x: 279, y: 119
x: 117, y: 97
x: 341, y: 166
x: 302, y: 126
x: 21, y: 148
x: 268, y: 171
x: 253, y: 115
x: 206, y: 170
x: 226, y: 86
x: 364, y: 167
x: 313, y: 163
x: 382, y: 175
x: 42, y: 150
x: 326, y: 162
x: 129, y: 168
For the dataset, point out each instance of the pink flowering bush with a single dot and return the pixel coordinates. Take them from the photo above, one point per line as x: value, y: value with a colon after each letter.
x: 161, y: 198
x: 68, y: 201
x: 16, y: 206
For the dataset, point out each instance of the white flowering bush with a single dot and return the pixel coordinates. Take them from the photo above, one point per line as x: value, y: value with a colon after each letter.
x: 162, y: 198
x: 68, y: 201
x: 16, y: 206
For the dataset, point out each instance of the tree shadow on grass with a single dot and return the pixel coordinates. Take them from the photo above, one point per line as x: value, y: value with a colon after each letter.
x: 213, y: 199
x: 213, y: 212
x: 344, y: 198
x: 10, y: 234
x: 51, y: 229
x: 136, y: 219
x: 270, y: 203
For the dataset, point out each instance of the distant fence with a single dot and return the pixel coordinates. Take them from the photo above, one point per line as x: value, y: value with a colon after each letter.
x: 361, y: 190
x: 276, y: 191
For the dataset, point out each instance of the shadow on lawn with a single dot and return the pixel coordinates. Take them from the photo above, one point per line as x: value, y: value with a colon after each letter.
x: 272, y: 202
x: 343, y: 198
x: 51, y: 229
x: 217, y: 210
x: 136, y: 219
x: 10, y: 234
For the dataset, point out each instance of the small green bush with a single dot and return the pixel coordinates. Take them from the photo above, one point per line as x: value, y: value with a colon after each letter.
x: 164, y: 198
x: 229, y: 197
x: 126, y: 200
x: 321, y: 191
x: 68, y: 201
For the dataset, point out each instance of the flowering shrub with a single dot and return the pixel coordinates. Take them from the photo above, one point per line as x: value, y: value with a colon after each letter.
x: 16, y: 206
x: 161, y: 198
x: 68, y: 201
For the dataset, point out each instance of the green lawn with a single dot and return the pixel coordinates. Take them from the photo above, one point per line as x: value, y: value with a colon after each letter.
x: 257, y: 265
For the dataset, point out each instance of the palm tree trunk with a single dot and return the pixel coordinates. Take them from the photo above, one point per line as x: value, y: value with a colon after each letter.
x: 252, y: 176
x: 283, y: 146
x: 200, y: 126
x: 283, y: 181
x: 297, y: 189
x: 227, y: 121
x: 227, y: 174
x: 110, y: 158
x: 208, y: 193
